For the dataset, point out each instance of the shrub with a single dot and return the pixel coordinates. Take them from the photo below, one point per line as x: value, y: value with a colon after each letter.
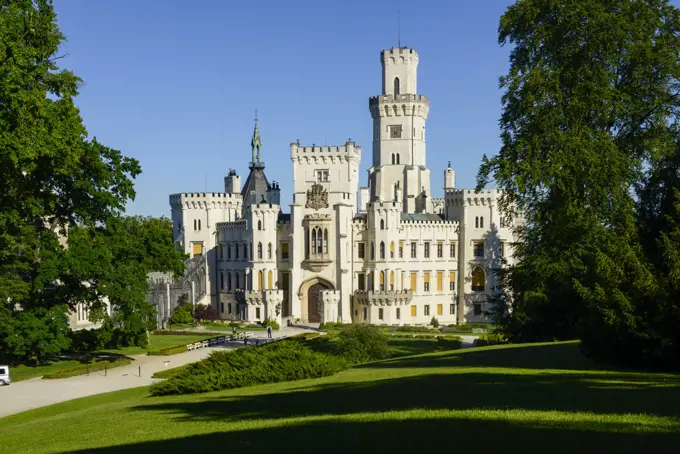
x: 269, y: 322
x: 413, y: 329
x: 491, y: 339
x: 184, y: 313
x: 449, y: 342
x: 167, y: 351
x: 363, y: 343
x: 164, y: 332
x: 434, y: 322
x: 85, y: 368
x: 275, y: 362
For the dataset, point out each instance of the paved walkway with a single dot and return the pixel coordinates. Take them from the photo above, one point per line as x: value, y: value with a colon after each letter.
x: 35, y: 393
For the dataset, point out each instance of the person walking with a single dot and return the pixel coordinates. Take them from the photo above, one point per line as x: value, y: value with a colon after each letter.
x: 269, y: 331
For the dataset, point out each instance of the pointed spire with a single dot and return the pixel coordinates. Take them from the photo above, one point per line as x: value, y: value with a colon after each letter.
x: 256, y: 142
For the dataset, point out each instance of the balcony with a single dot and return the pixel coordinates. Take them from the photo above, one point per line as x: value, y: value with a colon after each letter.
x: 317, y: 262
x: 384, y: 297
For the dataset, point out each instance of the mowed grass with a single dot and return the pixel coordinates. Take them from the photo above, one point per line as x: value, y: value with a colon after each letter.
x: 24, y: 372
x: 541, y: 398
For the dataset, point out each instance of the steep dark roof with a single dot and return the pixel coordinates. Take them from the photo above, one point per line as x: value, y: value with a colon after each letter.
x: 431, y: 217
x: 284, y: 217
x: 256, y: 181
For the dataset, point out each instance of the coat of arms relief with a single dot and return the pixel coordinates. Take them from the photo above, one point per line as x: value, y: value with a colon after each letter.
x: 317, y: 197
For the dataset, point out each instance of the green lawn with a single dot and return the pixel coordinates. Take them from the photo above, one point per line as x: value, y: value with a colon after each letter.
x: 24, y: 372
x: 543, y: 398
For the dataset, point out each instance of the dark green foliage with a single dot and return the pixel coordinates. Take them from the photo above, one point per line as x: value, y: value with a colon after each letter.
x: 434, y: 322
x: 590, y: 101
x: 106, y: 337
x: 449, y: 343
x: 39, y: 333
x: 167, y: 351
x: 269, y: 322
x: 270, y: 363
x: 183, y: 313
x: 165, y: 332
x: 87, y: 368
x: 414, y: 329
x: 491, y: 339
x: 363, y: 343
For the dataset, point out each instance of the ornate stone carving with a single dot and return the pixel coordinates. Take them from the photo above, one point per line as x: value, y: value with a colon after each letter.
x: 317, y: 197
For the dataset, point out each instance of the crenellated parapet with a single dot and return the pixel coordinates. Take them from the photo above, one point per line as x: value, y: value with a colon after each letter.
x: 350, y: 152
x: 470, y: 197
x: 205, y: 200
x: 398, y: 56
x: 383, y: 297
x: 403, y: 105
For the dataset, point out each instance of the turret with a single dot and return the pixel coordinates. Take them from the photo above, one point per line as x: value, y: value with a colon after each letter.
x: 274, y: 193
x: 232, y: 182
x: 449, y: 178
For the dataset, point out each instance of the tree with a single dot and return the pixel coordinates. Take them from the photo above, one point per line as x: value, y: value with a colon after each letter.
x: 52, y: 176
x: 38, y: 333
x: 590, y: 94
x: 183, y: 313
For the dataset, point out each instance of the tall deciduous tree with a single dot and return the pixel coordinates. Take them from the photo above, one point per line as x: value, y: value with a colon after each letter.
x: 52, y: 175
x: 590, y: 96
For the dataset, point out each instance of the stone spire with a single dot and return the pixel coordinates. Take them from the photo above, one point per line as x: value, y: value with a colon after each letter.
x: 256, y: 142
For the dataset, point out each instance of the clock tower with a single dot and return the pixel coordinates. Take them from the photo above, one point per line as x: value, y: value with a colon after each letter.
x: 399, y: 172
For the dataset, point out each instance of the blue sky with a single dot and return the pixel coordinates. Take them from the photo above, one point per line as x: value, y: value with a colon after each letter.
x: 175, y: 84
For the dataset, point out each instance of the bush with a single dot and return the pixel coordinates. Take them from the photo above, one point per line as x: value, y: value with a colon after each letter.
x: 434, y: 322
x: 184, y: 313
x: 167, y: 351
x: 271, y: 363
x: 413, y: 329
x: 84, y: 368
x: 449, y: 342
x: 269, y: 322
x: 363, y: 343
x: 164, y: 332
x: 491, y: 339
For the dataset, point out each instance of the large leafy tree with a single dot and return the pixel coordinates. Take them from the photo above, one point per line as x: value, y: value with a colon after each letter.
x: 589, y: 99
x: 52, y: 175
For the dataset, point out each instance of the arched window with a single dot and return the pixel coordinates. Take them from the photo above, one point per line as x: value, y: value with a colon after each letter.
x: 199, y: 224
x: 228, y: 281
x: 391, y: 280
x: 382, y: 224
x: 396, y: 86
x: 382, y: 280
x: 270, y: 280
x: 269, y: 251
x: 259, y: 250
x: 238, y: 284
x: 478, y: 279
x: 325, y: 241
x: 481, y: 222
x: 393, y: 159
x: 314, y: 240
x: 195, y: 224
x: 259, y: 225
x: 398, y: 161
x: 476, y: 222
x: 392, y: 250
x: 372, y: 251
x: 382, y: 249
x: 260, y: 280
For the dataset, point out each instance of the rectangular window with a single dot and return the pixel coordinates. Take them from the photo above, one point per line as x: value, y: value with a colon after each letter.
x: 321, y: 176
x: 413, y: 311
x: 426, y: 252
x: 361, y: 252
x: 452, y: 249
x: 229, y: 308
x: 398, y: 313
x: 237, y: 249
x: 413, y: 250
x: 380, y: 313
x: 372, y: 251
x: 452, y: 309
x: 414, y: 282
x: 426, y: 310
x: 197, y: 248
x: 426, y: 282
x: 440, y: 309
x: 257, y: 313
x: 362, y: 282
x: 440, y: 250
x: 228, y: 251
x: 478, y: 308
x: 440, y: 281
x: 222, y: 307
x: 452, y: 280
x: 284, y: 251
x: 501, y: 249
x: 401, y: 249
x: 365, y: 313
x: 478, y: 248
x: 221, y: 251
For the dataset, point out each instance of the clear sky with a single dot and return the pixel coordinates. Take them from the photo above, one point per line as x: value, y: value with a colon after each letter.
x: 175, y: 84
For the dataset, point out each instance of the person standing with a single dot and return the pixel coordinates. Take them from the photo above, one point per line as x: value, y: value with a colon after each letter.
x: 269, y: 331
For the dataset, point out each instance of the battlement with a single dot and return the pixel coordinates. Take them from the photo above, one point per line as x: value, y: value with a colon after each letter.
x: 387, y: 205
x: 187, y: 200
x: 399, y: 55
x: 473, y: 193
x: 350, y: 149
x: 389, y: 98
x: 227, y: 226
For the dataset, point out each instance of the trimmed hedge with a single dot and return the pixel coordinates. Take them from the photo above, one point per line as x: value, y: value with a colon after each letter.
x: 449, y: 342
x: 165, y: 332
x: 491, y: 339
x: 271, y: 363
x: 84, y: 368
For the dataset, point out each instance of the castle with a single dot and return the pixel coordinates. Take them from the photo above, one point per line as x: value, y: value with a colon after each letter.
x: 388, y: 253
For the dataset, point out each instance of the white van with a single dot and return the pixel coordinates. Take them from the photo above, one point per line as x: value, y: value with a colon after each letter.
x: 4, y: 376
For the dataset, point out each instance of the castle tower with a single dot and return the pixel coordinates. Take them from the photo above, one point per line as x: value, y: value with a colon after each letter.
x: 256, y: 188
x: 399, y: 116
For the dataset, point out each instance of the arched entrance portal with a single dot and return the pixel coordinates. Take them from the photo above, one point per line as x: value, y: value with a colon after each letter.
x: 314, y: 303
x: 311, y: 303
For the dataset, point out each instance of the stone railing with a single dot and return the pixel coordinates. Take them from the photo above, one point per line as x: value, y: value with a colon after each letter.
x: 384, y: 297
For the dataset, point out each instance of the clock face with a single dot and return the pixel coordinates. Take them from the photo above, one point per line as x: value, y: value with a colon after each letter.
x: 395, y: 132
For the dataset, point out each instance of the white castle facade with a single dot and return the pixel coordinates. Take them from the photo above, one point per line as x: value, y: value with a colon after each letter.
x: 387, y: 253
